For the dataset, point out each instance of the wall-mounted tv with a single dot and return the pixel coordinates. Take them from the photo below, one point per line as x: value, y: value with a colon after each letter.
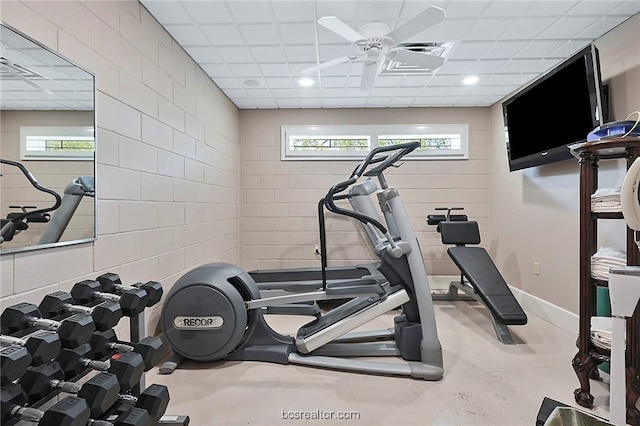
x: 557, y: 110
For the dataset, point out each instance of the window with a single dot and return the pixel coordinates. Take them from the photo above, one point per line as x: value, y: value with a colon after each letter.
x: 57, y: 143
x: 437, y: 141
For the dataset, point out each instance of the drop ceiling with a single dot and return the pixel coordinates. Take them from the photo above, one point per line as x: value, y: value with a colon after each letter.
x: 506, y: 44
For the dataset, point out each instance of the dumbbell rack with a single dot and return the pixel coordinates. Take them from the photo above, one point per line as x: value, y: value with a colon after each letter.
x: 137, y: 333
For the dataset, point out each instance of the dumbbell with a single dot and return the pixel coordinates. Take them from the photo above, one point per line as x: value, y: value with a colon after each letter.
x: 14, y: 362
x: 105, y: 343
x: 102, y: 392
x: 73, y: 411
x: 38, y: 382
x: 43, y: 345
x: 73, y: 331
x: 13, y: 405
x: 106, y: 315
x: 132, y: 302
x: 128, y: 367
x: 111, y: 283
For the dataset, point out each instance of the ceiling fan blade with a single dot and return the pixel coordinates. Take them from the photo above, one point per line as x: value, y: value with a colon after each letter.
x: 409, y: 57
x: 427, y: 19
x: 327, y: 64
x: 334, y: 24
x: 369, y: 73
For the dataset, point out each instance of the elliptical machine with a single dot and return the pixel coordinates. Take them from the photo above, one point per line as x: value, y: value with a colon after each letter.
x: 215, y: 312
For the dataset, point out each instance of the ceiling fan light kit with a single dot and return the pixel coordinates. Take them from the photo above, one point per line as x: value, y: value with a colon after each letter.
x: 375, y: 42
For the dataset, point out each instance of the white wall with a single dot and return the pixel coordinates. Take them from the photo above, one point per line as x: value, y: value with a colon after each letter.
x: 534, y: 213
x: 167, y: 151
x: 279, y: 198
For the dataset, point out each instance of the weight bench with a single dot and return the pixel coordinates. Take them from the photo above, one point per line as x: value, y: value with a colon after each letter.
x: 484, y: 282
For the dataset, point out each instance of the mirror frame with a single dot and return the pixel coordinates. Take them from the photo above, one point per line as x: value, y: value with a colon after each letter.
x: 95, y: 155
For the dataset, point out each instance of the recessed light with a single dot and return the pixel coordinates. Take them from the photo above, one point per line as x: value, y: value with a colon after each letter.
x: 252, y: 83
x: 468, y: 81
x: 306, y: 82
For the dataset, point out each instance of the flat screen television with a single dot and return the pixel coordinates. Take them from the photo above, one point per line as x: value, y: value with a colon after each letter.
x: 557, y: 110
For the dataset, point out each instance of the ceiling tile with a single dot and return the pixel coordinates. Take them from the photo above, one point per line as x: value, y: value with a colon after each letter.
x: 447, y: 100
x: 345, y: 10
x: 309, y: 92
x: 187, y: 35
x: 469, y: 49
x: 593, y: 8
x: 471, y: 100
x: 527, y: 28
x: 333, y: 93
x: 506, y: 8
x: 236, y: 54
x: 487, y: 29
x: 459, y: 90
x: 627, y: 8
x: 386, y: 92
x: 203, y: 54
x: 337, y: 70
x: 601, y: 26
x: 244, y: 103
x: 550, y: 8
x: 407, y: 91
x: 431, y: 91
x: 222, y: 35
x: 295, y: 69
x: 303, y: 53
x: 413, y: 8
x: 279, y: 82
x: 569, y: 48
x: 415, y: 80
x: 327, y: 81
x: 268, y: 54
x: 398, y: 101
x: 539, y: 49
x: 260, y: 33
x: 274, y: 70
x: 504, y: 49
x: 284, y: 93
x: 259, y: 93
x: 521, y: 79
x: 251, y: 11
x: 301, y: 33
x: 217, y: 70
x: 455, y: 67
x: 444, y: 80
x: 465, y: 9
x: 567, y: 27
x: 449, y: 30
x: 329, y: 52
x: 519, y: 65
x: 288, y: 103
x: 169, y: 12
x: 332, y: 102
x: 208, y: 12
x: 310, y: 102
x: 244, y: 70
x: 424, y: 101
x: 355, y: 102
x: 293, y: 11
x: 378, y: 102
x: 388, y: 80
x: 265, y: 103
x: 235, y: 93
x: 482, y: 90
x: 229, y: 83
x: 378, y: 11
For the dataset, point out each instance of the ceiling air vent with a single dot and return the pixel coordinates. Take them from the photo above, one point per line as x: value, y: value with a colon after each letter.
x: 432, y: 48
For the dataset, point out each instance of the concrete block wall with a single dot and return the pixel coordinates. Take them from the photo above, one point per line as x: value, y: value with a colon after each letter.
x: 278, y: 224
x: 167, y: 151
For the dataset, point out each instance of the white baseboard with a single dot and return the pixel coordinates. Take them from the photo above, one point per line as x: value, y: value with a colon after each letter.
x: 554, y: 314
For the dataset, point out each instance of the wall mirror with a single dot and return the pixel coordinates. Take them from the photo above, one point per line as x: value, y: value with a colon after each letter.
x: 47, y: 147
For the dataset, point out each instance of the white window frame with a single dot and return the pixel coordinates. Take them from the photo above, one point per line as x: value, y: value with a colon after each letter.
x: 374, y: 131
x: 56, y: 133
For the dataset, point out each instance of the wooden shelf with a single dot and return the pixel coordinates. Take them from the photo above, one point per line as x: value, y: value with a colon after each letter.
x: 589, y: 356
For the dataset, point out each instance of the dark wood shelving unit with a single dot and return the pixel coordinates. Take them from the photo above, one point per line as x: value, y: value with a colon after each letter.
x: 588, y: 357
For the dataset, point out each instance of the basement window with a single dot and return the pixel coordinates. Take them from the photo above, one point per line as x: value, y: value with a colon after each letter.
x: 72, y: 143
x: 348, y: 142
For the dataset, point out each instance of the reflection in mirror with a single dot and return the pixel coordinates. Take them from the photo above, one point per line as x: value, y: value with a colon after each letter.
x: 47, y: 147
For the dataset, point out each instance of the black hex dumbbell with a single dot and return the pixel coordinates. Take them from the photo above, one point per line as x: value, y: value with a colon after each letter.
x: 73, y: 331
x: 73, y: 411
x: 43, y: 345
x: 15, y: 361
x: 105, y: 343
x: 111, y: 283
x: 38, y: 382
x: 132, y: 302
x: 102, y: 392
x: 106, y: 315
x: 128, y: 367
x: 13, y: 405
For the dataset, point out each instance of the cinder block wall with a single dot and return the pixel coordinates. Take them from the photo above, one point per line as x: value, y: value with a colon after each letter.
x: 279, y: 227
x: 167, y: 150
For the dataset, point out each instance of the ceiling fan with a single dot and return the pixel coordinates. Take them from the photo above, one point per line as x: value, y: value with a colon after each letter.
x: 375, y: 40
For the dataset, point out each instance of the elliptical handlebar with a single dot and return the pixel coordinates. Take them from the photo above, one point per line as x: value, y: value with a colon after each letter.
x: 32, y: 180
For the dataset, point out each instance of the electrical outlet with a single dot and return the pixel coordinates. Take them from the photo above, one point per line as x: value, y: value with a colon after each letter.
x: 536, y: 268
